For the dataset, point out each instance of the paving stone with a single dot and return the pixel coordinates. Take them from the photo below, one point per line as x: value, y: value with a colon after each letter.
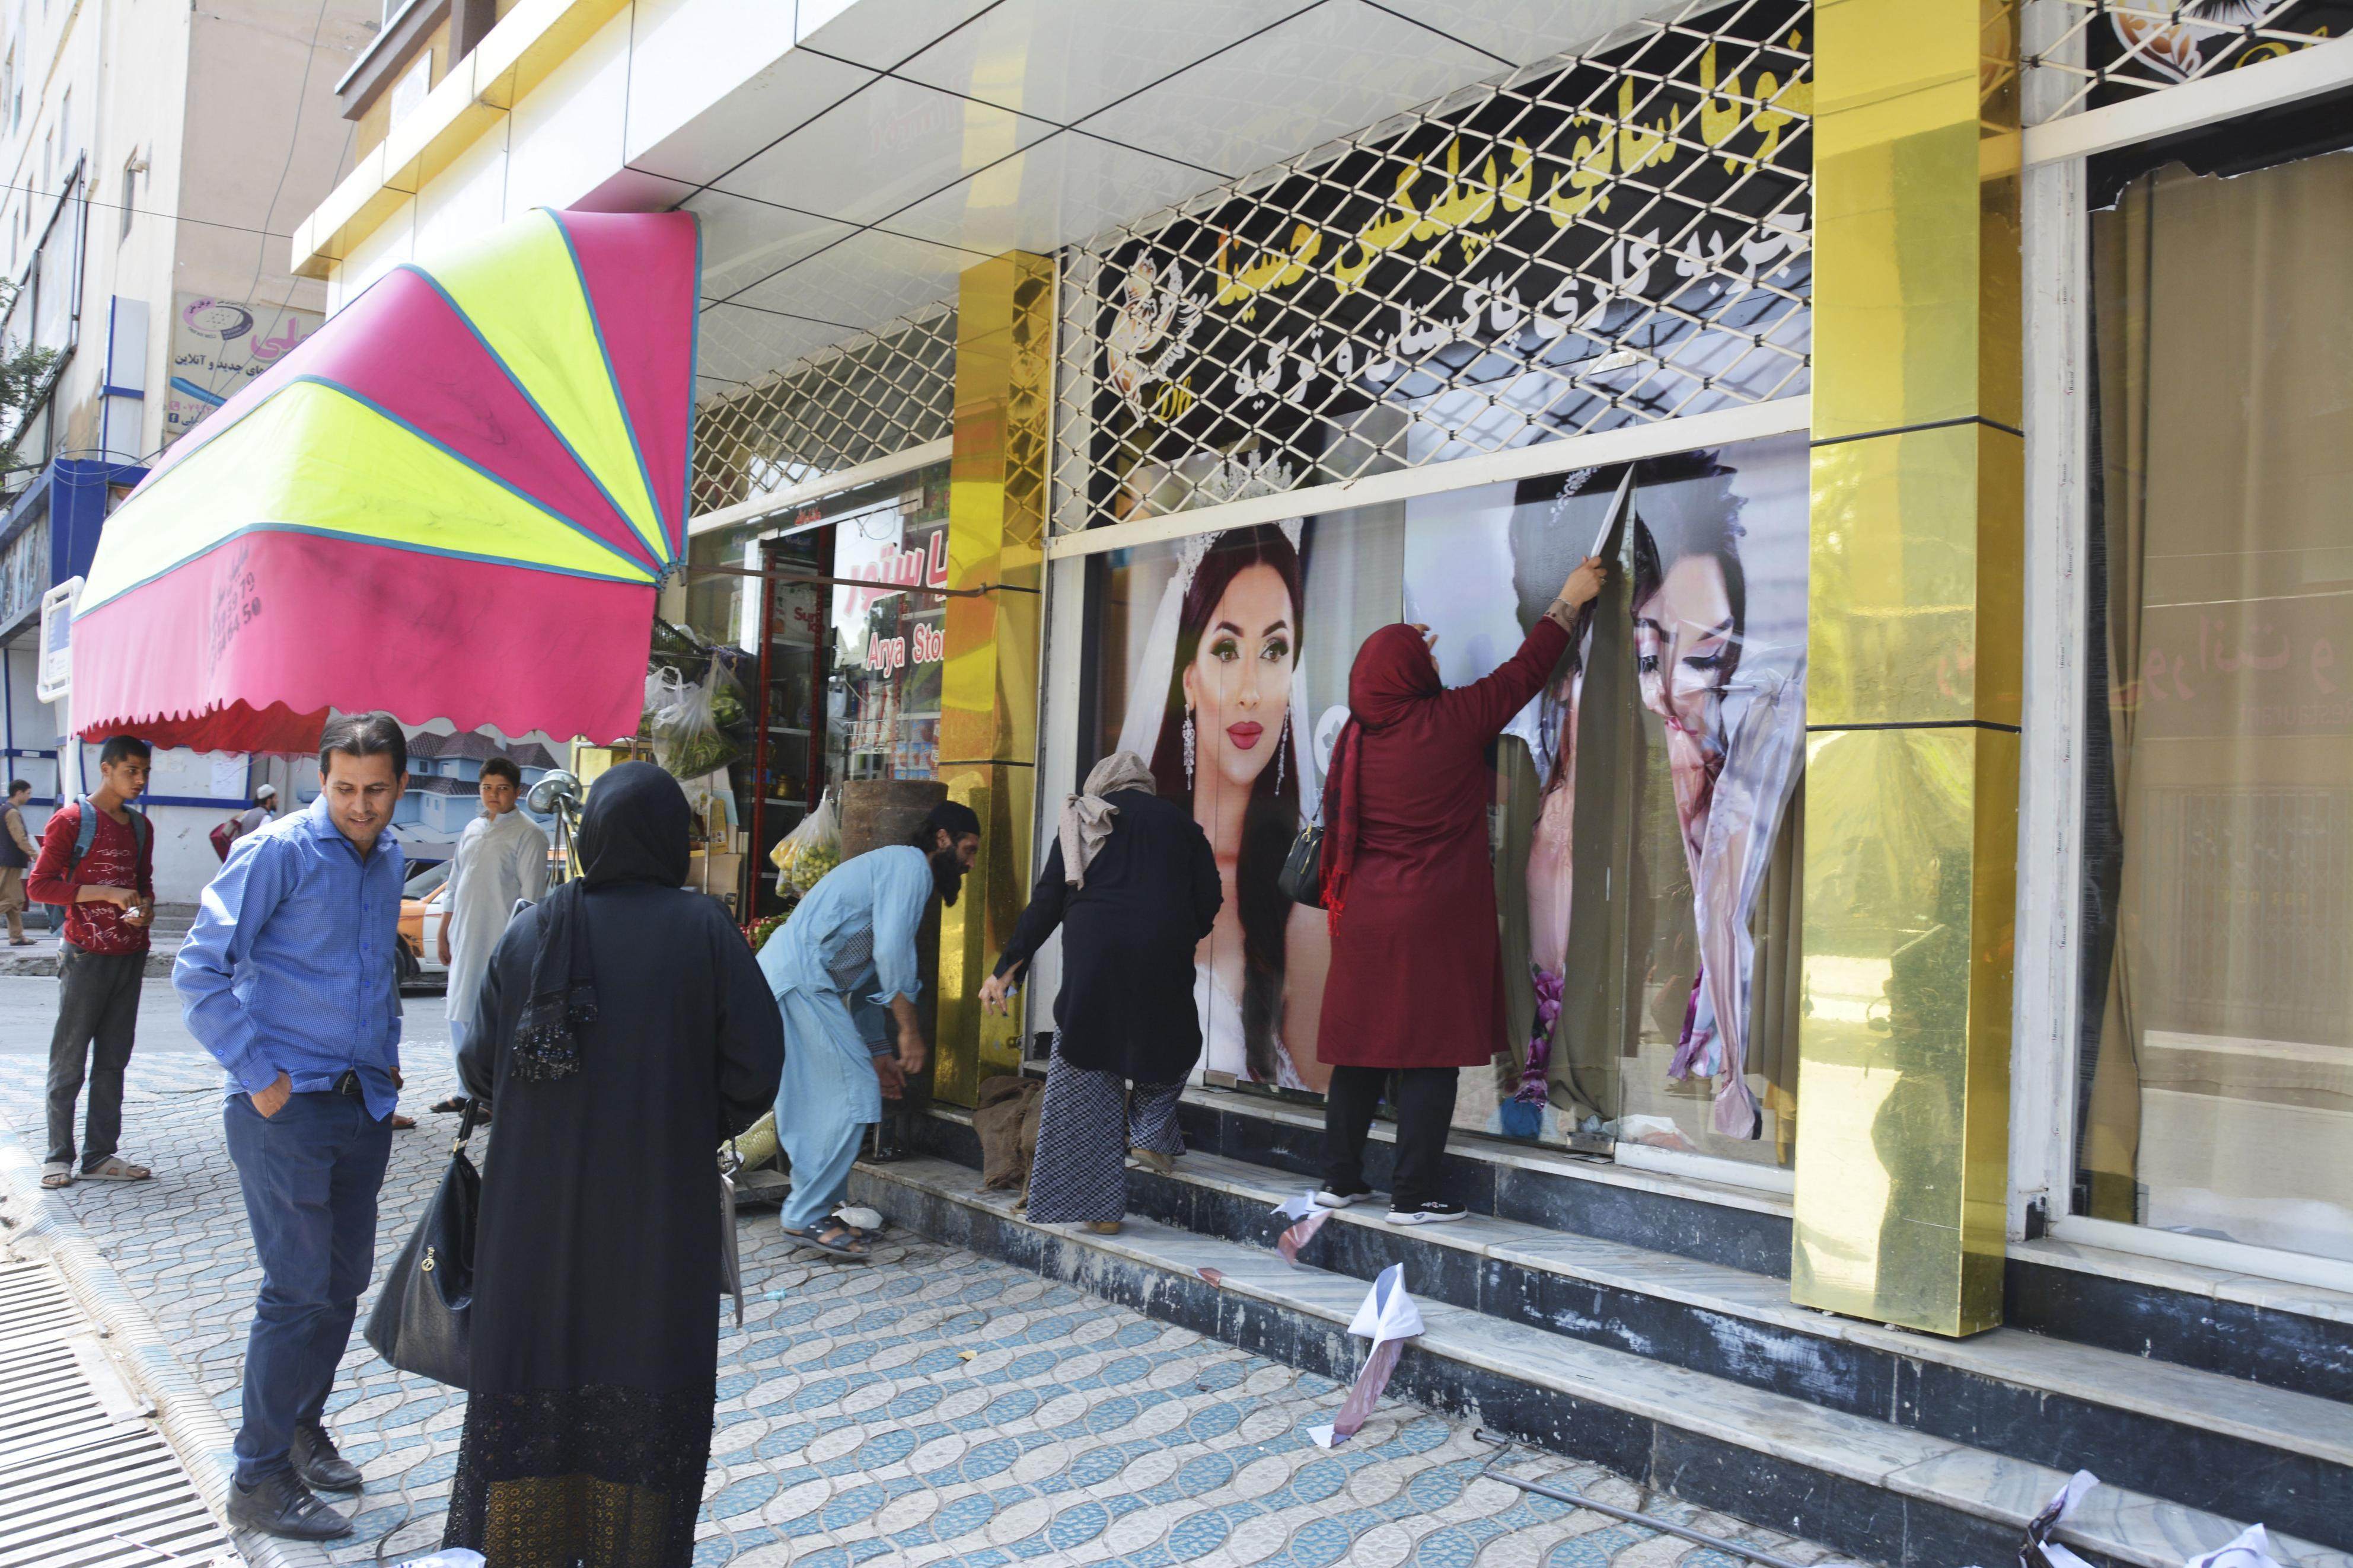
x: 851, y: 1429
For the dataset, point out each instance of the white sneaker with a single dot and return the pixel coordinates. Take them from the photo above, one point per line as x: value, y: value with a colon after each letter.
x: 1326, y: 1198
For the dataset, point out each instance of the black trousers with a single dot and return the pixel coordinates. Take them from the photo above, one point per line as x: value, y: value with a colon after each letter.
x: 98, y: 1018
x: 1424, y: 1098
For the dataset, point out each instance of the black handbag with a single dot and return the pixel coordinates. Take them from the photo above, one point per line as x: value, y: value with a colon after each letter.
x: 1301, y: 878
x: 420, y: 1321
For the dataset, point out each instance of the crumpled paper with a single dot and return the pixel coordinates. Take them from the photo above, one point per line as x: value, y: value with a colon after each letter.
x: 2252, y: 1549
x: 2037, y: 1550
x: 1388, y: 1317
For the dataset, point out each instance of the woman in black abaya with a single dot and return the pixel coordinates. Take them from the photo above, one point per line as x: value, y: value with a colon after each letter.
x: 623, y: 1031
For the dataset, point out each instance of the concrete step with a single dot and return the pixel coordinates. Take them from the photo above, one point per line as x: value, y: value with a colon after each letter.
x: 1868, y: 1485
x: 2279, y: 1334
x: 2197, y: 1437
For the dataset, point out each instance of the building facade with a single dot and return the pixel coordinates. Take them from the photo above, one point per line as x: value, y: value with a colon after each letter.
x: 1900, y: 913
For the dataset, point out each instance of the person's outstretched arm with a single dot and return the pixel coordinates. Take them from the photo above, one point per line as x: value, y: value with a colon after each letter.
x: 1040, y: 920
x: 903, y: 888
x: 1487, y: 704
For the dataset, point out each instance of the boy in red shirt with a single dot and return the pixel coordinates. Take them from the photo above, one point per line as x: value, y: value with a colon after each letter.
x: 110, y: 899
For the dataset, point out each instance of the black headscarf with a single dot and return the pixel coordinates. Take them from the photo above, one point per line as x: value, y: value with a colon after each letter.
x: 636, y: 828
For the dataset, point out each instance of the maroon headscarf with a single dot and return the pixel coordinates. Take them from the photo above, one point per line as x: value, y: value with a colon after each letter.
x: 1393, y: 672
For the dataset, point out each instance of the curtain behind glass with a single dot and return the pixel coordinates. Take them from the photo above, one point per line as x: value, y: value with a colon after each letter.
x: 2217, y: 1068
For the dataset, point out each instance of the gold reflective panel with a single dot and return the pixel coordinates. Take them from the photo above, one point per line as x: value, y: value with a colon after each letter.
x: 974, y: 1045
x: 988, y: 704
x: 1913, y: 630
x: 1915, y: 592
x: 1915, y: 214
x: 1904, y: 1044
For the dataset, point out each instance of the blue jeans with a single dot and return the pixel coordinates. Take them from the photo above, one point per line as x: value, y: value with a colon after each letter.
x: 311, y: 1174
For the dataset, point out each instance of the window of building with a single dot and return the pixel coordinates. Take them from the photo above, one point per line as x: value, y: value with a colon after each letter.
x: 2214, y: 1078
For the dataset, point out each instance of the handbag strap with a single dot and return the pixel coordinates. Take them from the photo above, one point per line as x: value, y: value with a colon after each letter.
x: 466, y: 1124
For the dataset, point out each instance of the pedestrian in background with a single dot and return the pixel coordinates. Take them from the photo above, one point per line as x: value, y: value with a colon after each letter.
x: 847, y: 954
x: 1132, y: 884
x: 257, y: 814
x: 501, y: 860
x: 97, y: 859
x: 623, y: 1031
x: 289, y: 979
x: 1416, y: 987
x: 16, y: 853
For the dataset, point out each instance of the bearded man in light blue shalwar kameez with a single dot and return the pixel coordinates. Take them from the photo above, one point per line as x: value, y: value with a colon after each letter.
x: 844, y: 972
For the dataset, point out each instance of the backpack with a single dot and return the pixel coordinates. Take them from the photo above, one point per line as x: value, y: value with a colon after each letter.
x: 86, y: 833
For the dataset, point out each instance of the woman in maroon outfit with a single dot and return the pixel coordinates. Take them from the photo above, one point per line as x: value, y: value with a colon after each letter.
x: 1416, y: 985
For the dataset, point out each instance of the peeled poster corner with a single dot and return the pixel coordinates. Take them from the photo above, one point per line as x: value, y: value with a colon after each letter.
x: 1388, y: 1317
x: 1307, y: 1217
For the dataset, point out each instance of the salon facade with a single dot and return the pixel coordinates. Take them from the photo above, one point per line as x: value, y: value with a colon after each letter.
x: 1924, y: 888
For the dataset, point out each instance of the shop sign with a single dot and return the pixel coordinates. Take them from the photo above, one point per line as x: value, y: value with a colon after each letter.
x: 1610, y: 244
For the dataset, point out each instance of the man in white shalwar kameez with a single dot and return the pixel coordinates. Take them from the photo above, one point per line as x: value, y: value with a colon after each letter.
x: 501, y: 859
x: 843, y: 971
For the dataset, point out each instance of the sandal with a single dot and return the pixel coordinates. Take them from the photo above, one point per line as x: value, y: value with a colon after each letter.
x: 833, y: 1237
x: 401, y: 1123
x: 57, y: 1173
x: 115, y: 1168
x: 452, y: 1106
x: 856, y: 1232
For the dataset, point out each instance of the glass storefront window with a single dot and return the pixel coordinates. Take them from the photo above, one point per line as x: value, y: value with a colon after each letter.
x: 851, y: 677
x: 2215, y: 1075
x: 1645, y: 883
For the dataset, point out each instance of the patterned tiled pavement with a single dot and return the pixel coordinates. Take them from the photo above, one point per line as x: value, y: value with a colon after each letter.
x: 933, y: 1406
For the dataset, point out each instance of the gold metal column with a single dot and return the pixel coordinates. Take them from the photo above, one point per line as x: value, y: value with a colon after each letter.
x: 1914, y: 655
x: 989, y: 707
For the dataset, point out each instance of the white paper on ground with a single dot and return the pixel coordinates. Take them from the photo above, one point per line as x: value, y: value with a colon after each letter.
x: 2038, y: 1550
x: 1388, y: 1317
x: 2253, y: 1549
x: 447, y: 1557
x: 1389, y: 1313
x: 1296, y: 1208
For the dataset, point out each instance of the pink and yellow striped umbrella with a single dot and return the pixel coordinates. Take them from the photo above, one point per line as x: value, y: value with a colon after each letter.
x: 455, y: 500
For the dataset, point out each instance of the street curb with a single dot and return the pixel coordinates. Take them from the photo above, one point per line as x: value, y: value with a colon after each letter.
x: 40, y: 1218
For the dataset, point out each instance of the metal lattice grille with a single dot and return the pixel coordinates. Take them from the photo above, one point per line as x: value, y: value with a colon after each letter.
x: 877, y: 393
x: 1609, y: 238
x: 2088, y: 53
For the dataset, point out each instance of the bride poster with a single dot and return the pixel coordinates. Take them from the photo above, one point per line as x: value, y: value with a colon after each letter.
x: 1229, y: 666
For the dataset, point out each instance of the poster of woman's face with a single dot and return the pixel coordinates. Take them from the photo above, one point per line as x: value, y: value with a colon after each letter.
x: 1232, y: 653
x: 1711, y: 619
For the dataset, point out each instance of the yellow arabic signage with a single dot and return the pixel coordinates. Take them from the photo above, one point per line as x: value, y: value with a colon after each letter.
x: 1644, y: 209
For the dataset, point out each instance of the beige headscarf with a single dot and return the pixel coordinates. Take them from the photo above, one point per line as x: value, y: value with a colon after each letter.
x: 1086, y: 817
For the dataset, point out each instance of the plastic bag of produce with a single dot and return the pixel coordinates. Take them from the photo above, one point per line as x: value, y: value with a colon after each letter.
x: 689, y: 733
x: 811, y: 848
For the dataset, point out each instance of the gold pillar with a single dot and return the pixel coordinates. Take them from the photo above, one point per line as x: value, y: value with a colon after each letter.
x: 1915, y: 655
x: 989, y: 701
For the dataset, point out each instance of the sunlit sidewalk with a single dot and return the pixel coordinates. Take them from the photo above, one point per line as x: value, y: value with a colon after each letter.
x: 932, y: 1407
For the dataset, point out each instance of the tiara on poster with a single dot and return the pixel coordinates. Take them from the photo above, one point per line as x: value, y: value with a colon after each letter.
x: 1196, y: 548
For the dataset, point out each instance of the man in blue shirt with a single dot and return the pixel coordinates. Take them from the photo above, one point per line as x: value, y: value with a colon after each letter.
x: 289, y: 980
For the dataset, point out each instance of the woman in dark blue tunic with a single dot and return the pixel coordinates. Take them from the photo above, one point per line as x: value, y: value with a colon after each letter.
x: 623, y: 1031
x: 1132, y: 884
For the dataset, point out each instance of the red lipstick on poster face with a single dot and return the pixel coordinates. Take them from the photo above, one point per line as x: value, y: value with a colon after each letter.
x: 1245, y: 734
